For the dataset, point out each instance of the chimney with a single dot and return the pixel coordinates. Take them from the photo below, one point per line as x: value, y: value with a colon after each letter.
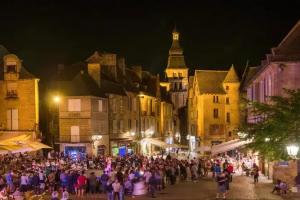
x: 109, y: 65
x: 94, y: 67
x: 121, y: 65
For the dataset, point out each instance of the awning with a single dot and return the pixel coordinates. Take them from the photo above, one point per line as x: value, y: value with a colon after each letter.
x: 228, y: 146
x: 160, y: 143
x: 21, y: 143
x: 154, y: 141
x: 203, y: 149
x: 16, y: 140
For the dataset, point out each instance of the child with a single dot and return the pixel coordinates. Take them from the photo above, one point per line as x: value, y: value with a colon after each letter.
x: 65, y: 195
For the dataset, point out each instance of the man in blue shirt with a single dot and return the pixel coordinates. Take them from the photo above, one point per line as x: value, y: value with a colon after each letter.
x: 9, y: 180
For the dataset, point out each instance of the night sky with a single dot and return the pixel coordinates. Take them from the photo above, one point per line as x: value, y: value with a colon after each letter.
x: 214, y: 34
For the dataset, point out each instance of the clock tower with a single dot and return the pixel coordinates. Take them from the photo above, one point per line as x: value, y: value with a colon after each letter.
x: 177, y: 84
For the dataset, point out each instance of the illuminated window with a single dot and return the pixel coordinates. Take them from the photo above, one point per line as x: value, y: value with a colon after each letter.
x: 74, y: 105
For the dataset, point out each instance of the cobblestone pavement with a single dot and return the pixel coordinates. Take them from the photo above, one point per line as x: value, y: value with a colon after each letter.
x: 242, y: 188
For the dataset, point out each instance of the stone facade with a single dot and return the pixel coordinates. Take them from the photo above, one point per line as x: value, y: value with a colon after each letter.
x: 280, y: 69
x: 213, y: 106
x: 90, y: 117
x: 19, y: 110
x: 166, y: 121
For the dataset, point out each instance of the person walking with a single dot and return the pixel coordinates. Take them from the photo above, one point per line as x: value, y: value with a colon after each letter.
x: 255, y: 173
x: 230, y: 171
x: 103, y: 180
x: 81, y: 184
x: 109, y: 189
x: 116, y: 189
x: 92, y: 181
x: 152, y: 185
x: 24, y: 182
x: 221, y: 181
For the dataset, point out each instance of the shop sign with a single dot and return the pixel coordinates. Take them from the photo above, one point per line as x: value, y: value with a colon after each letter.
x: 283, y: 164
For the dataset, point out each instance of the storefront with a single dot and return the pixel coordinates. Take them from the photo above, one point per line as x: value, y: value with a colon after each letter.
x: 76, y: 151
x: 122, y: 147
x: 150, y: 146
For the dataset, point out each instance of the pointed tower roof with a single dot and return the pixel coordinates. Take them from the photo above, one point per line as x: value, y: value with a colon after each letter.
x: 176, y: 57
x: 231, y: 76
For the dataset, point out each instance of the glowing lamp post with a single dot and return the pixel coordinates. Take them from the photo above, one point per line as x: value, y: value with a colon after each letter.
x: 292, y: 150
x: 96, y: 138
x: 56, y: 99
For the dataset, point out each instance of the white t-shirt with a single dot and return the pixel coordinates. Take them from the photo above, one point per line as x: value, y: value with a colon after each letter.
x: 24, y: 180
x: 116, y: 187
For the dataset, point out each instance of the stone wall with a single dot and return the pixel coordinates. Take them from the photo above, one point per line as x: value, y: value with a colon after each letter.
x: 285, y: 171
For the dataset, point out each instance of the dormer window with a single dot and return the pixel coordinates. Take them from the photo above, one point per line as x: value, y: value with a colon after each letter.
x: 11, y: 68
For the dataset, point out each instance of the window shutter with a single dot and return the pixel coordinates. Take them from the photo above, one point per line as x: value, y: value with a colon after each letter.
x: 75, y: 134
x: 100, y: 106
x: 15, y: 119
x: 8, y: 119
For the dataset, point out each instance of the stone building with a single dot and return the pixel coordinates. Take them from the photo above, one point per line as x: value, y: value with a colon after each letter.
x: 131, y: 104
x: 213, y: 107
x: 19, y: 97
x: 280, y: 69
x: 109, y: 72
x: 83, y: 116
x: 177, y: 84
x: 166, y: 118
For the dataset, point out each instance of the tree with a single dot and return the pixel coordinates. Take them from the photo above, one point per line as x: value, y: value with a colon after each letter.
x: 275, y: 124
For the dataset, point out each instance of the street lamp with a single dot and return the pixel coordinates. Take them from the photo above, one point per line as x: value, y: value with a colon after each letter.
x: 56, y: 99
x: 53, y: 113
x: 140, y: 97
x: 292, y: 150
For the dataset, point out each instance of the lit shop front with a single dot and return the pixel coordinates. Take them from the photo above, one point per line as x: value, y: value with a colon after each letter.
x: 122, y: 147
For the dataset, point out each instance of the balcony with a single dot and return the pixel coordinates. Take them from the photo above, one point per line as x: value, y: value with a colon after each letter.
x: 75, y: 138
x: 12, y: 94
x: 82, y: 115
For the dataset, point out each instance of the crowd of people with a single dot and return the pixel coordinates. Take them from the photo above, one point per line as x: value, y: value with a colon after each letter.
x: 62, y: 175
